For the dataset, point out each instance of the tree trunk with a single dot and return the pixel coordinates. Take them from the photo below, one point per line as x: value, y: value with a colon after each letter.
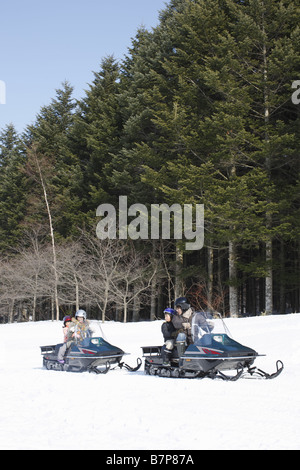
x: 51, y: 235
x: 233, y: 290
x: 11, y: 312
x: 269, y: 280
x: 210, y: 262
x: 136, y: 307
x: 269, y: 258
x: 34, y: 299
x: 179, y: 283
x: 153, y: 299
x: 76, y: 292
x: 125, y: 312
x: 282, y: 305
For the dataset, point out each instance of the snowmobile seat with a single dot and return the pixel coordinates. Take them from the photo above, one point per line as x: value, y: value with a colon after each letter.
x: 48, y: 349
x: 151, y: 350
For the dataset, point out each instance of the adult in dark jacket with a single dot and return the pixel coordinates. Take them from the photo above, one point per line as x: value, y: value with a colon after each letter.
x: 182, y: 320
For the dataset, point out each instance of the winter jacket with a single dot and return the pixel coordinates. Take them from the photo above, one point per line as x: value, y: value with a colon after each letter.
x: 182, y: 323
x: 78, y: 331
x: 65, y: 333
x: 168, y: 330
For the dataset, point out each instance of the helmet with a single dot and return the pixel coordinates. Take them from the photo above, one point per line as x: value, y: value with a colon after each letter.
x: 170, y: 311
x: 67, y: 318
x: 182, y: 302
x: 80, y: 313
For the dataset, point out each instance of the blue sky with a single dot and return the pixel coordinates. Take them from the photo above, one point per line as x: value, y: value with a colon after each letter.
x: 44, y: 42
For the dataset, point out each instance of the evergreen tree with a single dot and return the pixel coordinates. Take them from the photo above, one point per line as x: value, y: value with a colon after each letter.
x: 234, y: 63
x: 50, y: 139
x: 13, y: 188
x: 140, y: 97
x: 254, y: 82
x: 96, y: 135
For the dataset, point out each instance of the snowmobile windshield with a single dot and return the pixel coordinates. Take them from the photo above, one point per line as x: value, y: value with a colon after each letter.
x: 89, y: 329
x: 202, y: 324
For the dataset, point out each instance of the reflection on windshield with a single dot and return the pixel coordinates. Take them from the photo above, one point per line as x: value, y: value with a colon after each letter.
x: 202, y: 324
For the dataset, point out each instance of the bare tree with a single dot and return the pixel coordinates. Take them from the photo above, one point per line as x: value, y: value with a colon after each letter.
x: 104, y: 259
x: 32, y: 268
x: 12, y: 292
x: 71, y: 265
x: 9, y: 289
x: 135, y: 275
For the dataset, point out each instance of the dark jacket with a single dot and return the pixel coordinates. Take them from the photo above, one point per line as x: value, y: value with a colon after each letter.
x: 168, y: 330
x: 177, y: 321
x: 182, y: 324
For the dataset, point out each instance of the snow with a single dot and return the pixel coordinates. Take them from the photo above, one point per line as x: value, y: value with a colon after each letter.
x: 48, y: 410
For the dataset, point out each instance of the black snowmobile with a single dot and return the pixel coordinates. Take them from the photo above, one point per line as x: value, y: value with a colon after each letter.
x: 210, y: 354
x: 92, y: 354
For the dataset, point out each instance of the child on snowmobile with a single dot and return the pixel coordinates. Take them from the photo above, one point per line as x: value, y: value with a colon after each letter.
x: 62, y: 350
x: 169, y: 332
x: 67, y: 322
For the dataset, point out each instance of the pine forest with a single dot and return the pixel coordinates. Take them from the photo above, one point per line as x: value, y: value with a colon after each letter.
x: 204, y: 109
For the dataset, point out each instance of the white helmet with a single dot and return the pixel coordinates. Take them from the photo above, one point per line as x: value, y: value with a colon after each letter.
x: 80, y: 313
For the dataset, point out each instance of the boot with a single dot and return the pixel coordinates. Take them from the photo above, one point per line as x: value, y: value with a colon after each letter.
x: 166, y: 357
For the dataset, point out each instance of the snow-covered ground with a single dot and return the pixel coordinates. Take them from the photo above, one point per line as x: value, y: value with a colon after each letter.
x: 43, y: 409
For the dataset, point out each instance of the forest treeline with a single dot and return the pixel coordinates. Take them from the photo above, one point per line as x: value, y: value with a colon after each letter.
x: 200, y: 111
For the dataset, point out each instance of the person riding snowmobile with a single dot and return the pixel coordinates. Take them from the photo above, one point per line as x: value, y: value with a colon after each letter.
x: 182, y: 320
x: 67, y: 320
x: 169, y: 333
x: 81, y: 327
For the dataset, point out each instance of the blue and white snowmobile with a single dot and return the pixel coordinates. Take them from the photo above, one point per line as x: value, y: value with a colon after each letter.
x: 211, y: 353
x: 92, y: 353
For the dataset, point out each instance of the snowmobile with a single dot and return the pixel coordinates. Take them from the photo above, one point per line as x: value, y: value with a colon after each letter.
x: 211, y: 353
x: 92, y: 353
